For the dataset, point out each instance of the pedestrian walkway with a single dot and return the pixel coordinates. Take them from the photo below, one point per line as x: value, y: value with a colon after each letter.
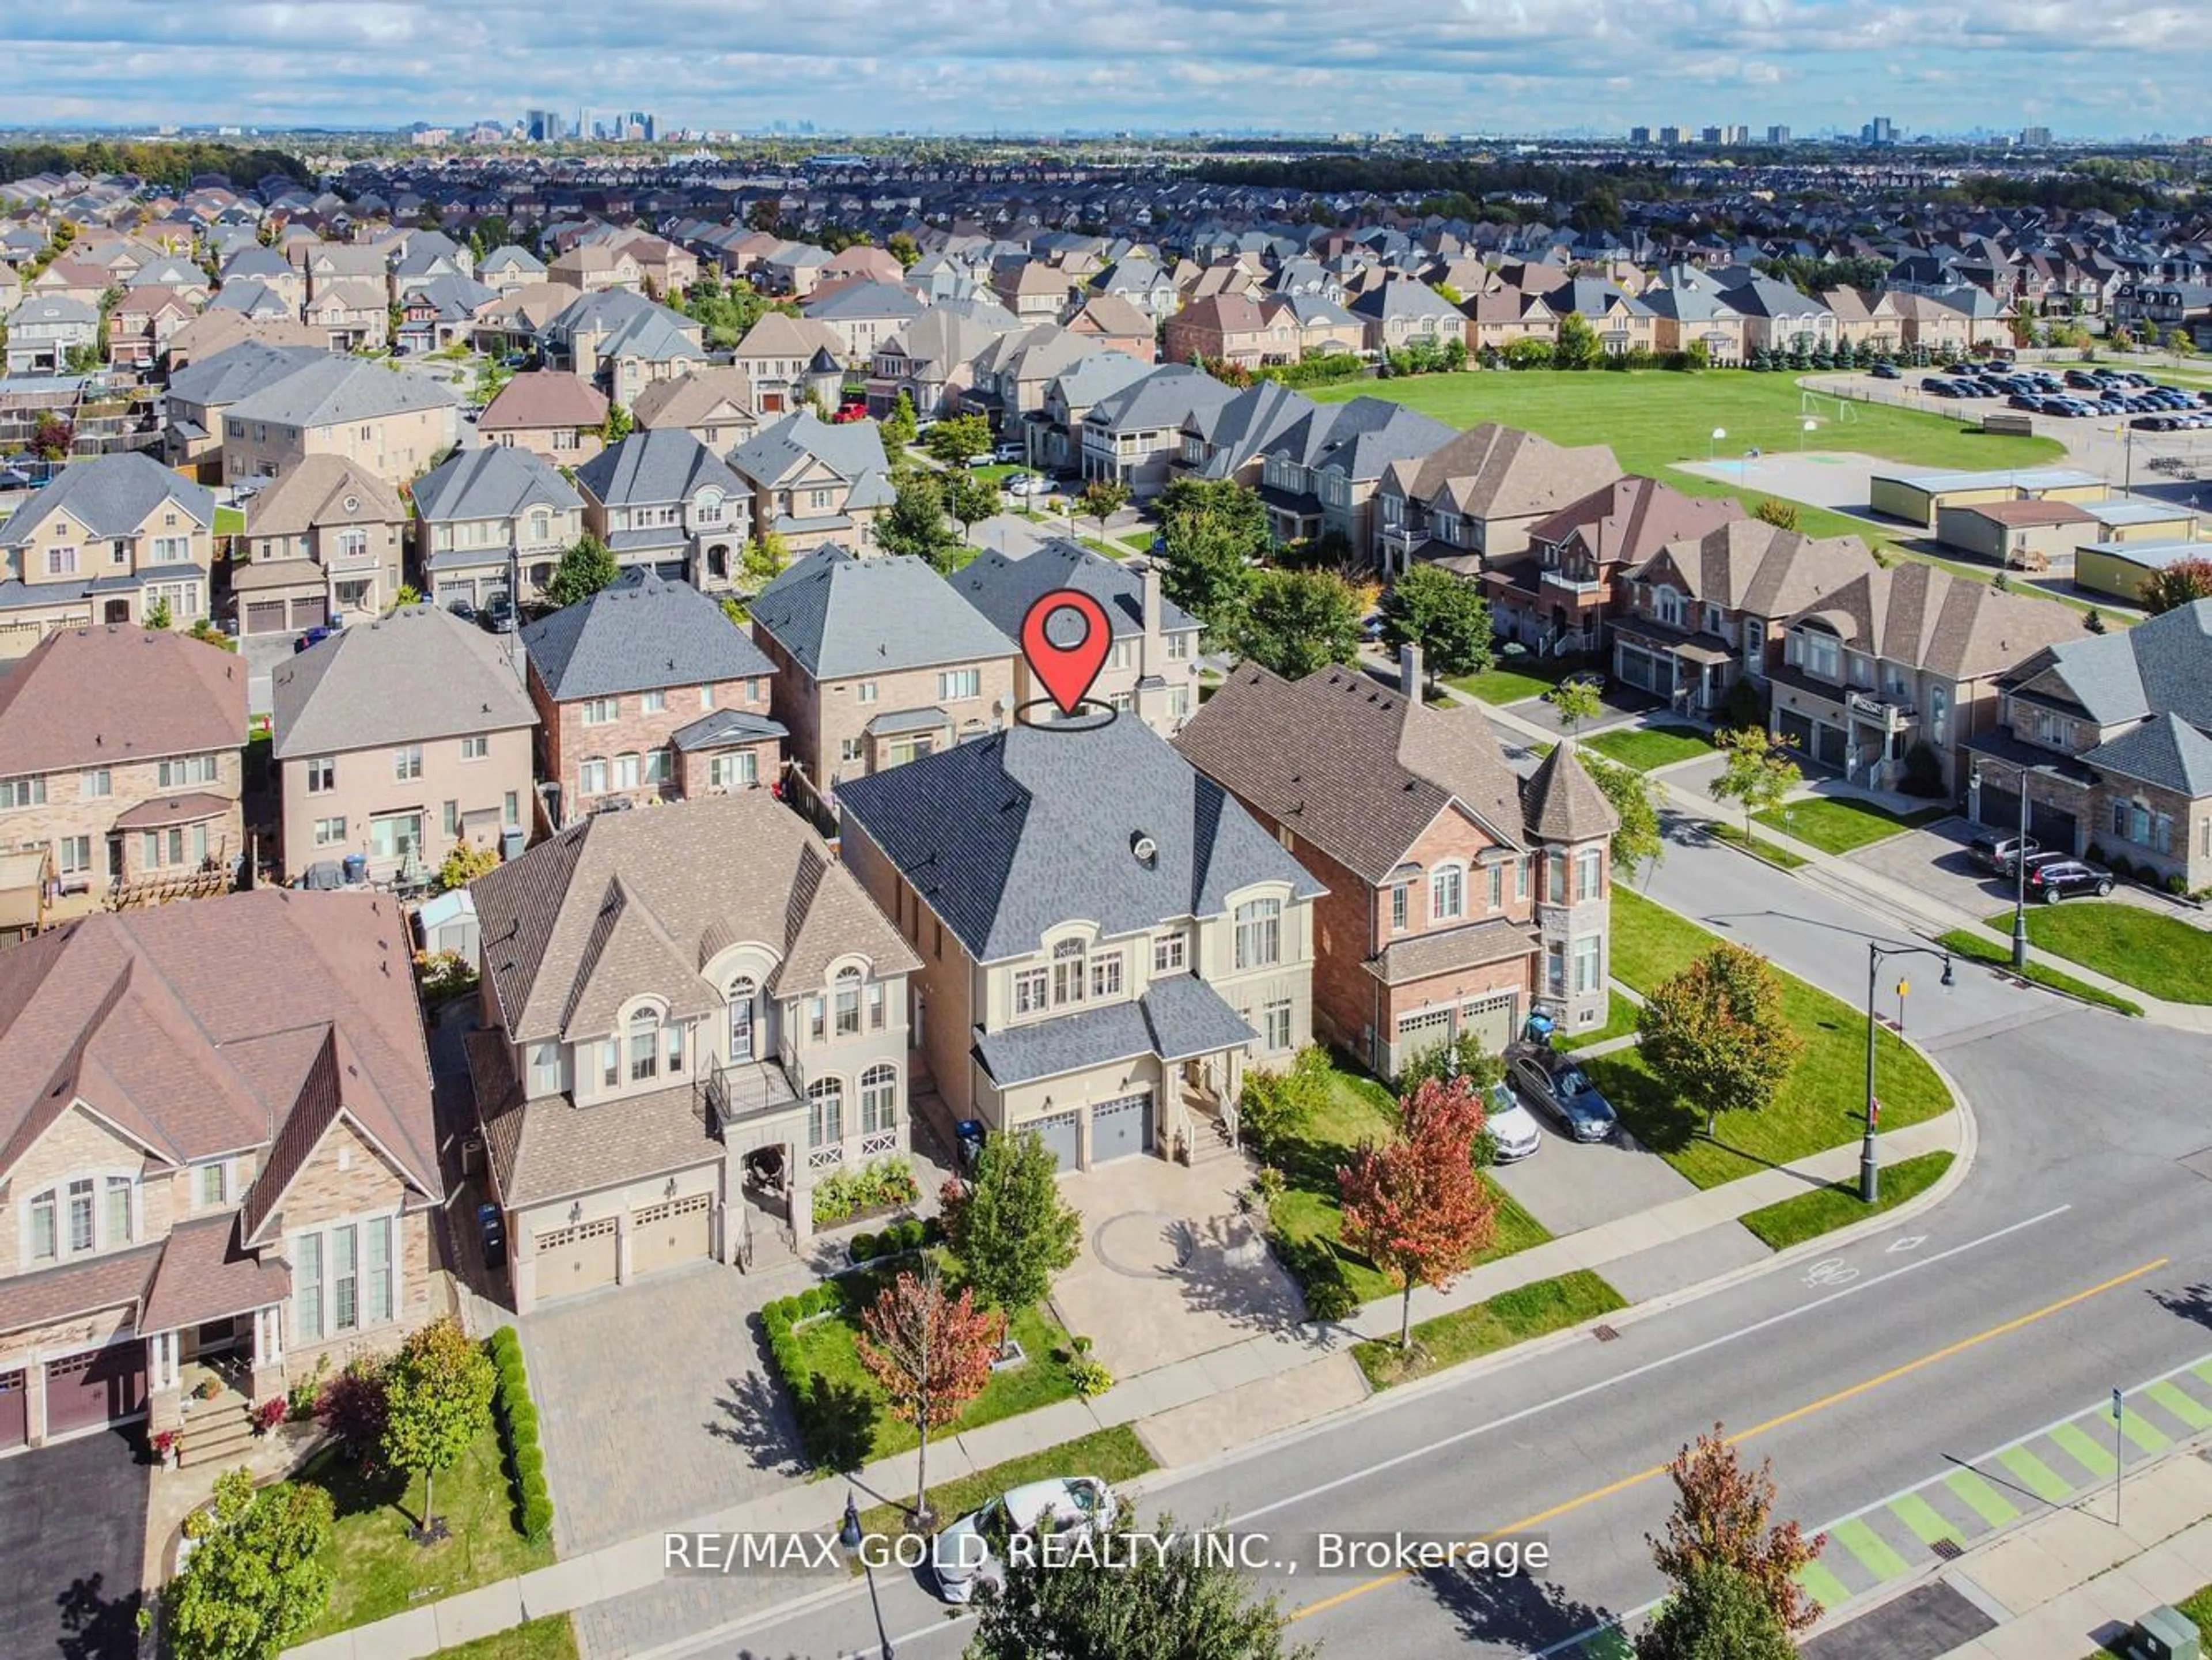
x: 1195, y: 1409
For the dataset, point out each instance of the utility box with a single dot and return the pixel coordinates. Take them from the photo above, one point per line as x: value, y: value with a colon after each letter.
x: 2164, y: 1633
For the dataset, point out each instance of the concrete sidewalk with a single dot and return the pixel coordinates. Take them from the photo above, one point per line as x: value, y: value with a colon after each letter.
x: 1202, y: 1408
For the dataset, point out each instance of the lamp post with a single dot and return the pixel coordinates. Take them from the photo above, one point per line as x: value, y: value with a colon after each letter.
x: 848, y: 1535
x: 1870, y: 1159
x: 2018, y: 869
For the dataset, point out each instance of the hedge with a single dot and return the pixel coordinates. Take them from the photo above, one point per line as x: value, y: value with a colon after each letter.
x: 518, y: 1418
x: 912, y: 1234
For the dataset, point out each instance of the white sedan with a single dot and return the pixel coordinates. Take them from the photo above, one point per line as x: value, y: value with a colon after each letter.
x: 1512, y: 1127
x: 1028, y: 483
x: 970, y: 1551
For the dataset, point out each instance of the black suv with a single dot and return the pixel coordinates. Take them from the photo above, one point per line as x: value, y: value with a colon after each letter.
x: 2067, y: 878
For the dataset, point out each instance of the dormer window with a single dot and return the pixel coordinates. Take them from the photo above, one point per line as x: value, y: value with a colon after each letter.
x: 846, y: 992
x: 1067, y: 972
x: 644, y: 1045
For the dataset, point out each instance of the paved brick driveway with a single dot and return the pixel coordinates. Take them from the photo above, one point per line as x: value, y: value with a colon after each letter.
x: 1568, y: 1186
x: 72, y: 1543
x: 655, y: 1404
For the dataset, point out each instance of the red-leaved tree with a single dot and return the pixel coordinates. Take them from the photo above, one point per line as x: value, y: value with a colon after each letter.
x: 1415, y: 1205
x: 2177, y: 583
x: 1724, y: 1514
x: 932, y: 1353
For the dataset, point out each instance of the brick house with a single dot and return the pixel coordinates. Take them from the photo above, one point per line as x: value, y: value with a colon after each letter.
x: 2113, y: 735
x: 715, y: 405
x: 1471, y: 502
x: 1456, y: 897
x: 400, y: 780
x: 630, y: 1089
x: 877, y: 661
x: 648, y: 692
x: 1230, y: 327
x: 219, y: 1156
x: 107, y: 541
x: 124, y: 749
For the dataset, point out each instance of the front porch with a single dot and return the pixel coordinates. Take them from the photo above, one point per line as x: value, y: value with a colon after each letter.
x: 1692, y: 672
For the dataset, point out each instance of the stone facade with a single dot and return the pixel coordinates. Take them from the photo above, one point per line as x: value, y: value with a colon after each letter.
x: 829, y: 719
x: 79, y: 820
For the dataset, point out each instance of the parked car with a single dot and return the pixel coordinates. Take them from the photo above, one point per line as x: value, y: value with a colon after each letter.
x: 1512, y: 1127
x: 1005, y: 454
x: 1997, y: 853
x: 462, y: 609
x: 498, y: 616
x: 2068, y: 879
x: 315, y: 636
x: 1028, y: 483
x: 1886, y: 372
x: 1556, y: 1084
x: 970, y: 1551
x: 491, y: 1229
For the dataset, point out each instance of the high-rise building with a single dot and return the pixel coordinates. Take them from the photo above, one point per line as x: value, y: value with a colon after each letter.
x: 1735, y: 133
x: 542, y: 126
x: 1880, y: 131
x: 1710, y: 136
x: 2037, y: 138
x: 1674, y: 135
x: 1639, y: 135
x: 1778, y: 134
x: 639, y: 124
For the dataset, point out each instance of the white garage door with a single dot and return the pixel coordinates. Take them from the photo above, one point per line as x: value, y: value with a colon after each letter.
x: 662, y: 1236
x: 1121, y: 1128
x: 579, y: 1258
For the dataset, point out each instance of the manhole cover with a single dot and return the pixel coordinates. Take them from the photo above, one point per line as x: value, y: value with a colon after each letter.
x: 1949, y: 1549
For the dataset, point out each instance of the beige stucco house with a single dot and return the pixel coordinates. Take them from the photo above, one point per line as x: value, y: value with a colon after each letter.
x: 108, y: 540
x: 393, y: 423
x: 325, y: 542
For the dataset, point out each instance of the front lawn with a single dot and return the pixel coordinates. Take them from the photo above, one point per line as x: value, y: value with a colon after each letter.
x: 1645, y: 749
x: 1980, y: 948
x: 1821, y: 1104
x: 1809, y: 1215
x: 1114, y: 1456
x: 1773, y: 852
x: 1619, y: 1022
x: 1308, y: 1218
x: 2158, y: 954
x: 381, y: 1572
x: 850, y: 1425
x: 551, y: 1637
x: 229, y: 521
x: 1514, y: 679
x: 1837, y: 823
x: 1511, y: 1316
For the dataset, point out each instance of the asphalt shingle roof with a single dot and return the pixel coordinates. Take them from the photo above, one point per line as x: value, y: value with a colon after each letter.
x: 339, y: 694
x: 660, y: 466
x: 338, y: 390
x: 109, y: 496
x: 839, y: 615
x: 1004, y: 588
x: 495, y: 482
x: 642, y: 633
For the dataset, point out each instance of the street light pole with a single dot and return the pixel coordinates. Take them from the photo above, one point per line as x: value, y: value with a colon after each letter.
x: 2020, y: 883
x: 1869, y: 1158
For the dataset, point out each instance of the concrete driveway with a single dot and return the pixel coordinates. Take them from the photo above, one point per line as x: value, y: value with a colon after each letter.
x: 1568, y: 1186
x: 655, y: 1402
x: 1933, y: 861
x: 1170, y: 1267
x: 73, y: 1536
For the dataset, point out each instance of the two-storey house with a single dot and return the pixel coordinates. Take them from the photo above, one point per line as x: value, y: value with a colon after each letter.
x: 934, y: 359
x: 877, y: 661
x: 1899, y: 658
x: 550, y: 412
x: 690, y: 1016
x: 1051, y: 434
x: 1107, y: 939
x: 392, y: 423
x: 1231, y: 328
x: 216, y: 1143
x: 661, y: 499
x: 2111, y: 735
x: 814, y: 483
x: 621, y: 343
x: 492, y: 517
x: 122, y: 749
x: 1472, y: 501
x: 398, y: 781
x: 108, y: 540
x: 1135, y: 434
x: 785, y: 358
x: 648, y: 691
x: 715, y: 405
x: 325, y: 543
x: 1457, y: 898
x: 863, y: 315
x: 45, y: 329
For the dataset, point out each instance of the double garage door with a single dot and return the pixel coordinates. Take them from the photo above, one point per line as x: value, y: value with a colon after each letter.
x: 586, y: 1256
x: 97, y: 1386
x: 276, y: 616
x: 1119, y: 1128
x: 1827, y: 745
x: 2050, y: 828
x: 576, y: 1258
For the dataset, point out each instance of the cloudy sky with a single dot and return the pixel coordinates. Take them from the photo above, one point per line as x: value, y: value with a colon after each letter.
x: 2122, y: 67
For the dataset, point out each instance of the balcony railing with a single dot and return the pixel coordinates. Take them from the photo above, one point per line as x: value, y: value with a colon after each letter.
x: 734, y: 1093
x: 1892, y: 716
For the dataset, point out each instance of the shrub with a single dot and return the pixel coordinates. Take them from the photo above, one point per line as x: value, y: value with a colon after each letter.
x: 2177, y: 885
x: 863, y: 1247
x: 517, y: 1414
x: 2122, y: 867
x: 309, y: 1390
x: 880, y: 1184
x: 351, y: 1407
x: 1329, y: 1296
x: 537, y: 1519
x: 1743, y: 705
x: 1924, y: 772
x: 1090, y: 1377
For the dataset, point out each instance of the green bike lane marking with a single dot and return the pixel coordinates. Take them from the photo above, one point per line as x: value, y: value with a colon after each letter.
x: 1872, y: 1550
x: 1978, y: 1496
x: 2038, y: 1477
x: 1928, y: 1524
x: 2092, y: 1454
x: 2183, y: 1405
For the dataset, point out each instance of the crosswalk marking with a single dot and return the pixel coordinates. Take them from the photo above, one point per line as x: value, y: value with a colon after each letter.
x: 1822, y: 1586
x: 1927, y: 1524
x: 2144, y: 1435
x: 1872, y: 1550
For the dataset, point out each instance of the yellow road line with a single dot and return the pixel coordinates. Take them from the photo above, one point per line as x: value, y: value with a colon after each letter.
x: 1805, y: 1411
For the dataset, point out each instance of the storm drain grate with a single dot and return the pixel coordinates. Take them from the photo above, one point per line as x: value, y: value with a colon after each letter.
x: 1950, y: 1550
x: 1606, y: 1334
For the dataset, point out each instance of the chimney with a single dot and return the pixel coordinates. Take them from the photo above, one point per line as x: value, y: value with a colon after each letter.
x: 1151, y: 655
x: 1409, y: 672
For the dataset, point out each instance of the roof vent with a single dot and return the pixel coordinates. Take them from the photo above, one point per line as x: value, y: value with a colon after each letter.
x: 1147, y: 850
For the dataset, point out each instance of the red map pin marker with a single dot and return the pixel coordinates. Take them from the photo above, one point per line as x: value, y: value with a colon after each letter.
x: 1066, y: 671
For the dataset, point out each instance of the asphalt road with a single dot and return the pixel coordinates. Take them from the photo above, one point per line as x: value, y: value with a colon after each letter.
x: 2075, y: 1258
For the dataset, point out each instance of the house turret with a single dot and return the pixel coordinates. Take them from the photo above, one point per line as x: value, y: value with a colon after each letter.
x: 1570, y: 824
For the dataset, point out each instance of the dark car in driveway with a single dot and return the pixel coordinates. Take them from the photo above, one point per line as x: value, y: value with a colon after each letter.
x: 2067, y: 878
x: 1553, y: 1083
x: 1995, y: 853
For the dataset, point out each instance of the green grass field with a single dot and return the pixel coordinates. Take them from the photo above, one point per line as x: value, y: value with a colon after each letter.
x: 1515, y: 680
x: 1836, y: 823
x: 2158, y: 954
x: 1511, y: 1316
x: 229, y: 521
x: 1773, y: 852
x: 1980, y: 948
x: 1820, y: 1106
x: 1807, y: 1216
x: 1647, y: 748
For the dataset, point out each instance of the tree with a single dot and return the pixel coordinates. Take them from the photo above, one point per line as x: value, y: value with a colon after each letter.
x: 437, y: 1401
x: 1207, y: 546
x: 952, y: 440
x: 1102, y: 499
x: 932, y: 1354
x: 256, y: 1579
x: 1462, y: 1057
x: 1297, y: 621
x: 158, y: 616
x: 1577, y: 701
x: 763, y: 558
x: 915, y: 525
x: 84, y: 358
x: 971, y: 498
x: 464, y: 864
x: 584, y: 569
x: 1723, y: 1517
x: 618, y: 425
x: 1236, y: 508
x: 1008, y: 1223
x: 208, y: 633
x: 2178, y: 584
x: 1578, y: 346
x: 1635, y: 796
x: 52, y: 436
x: 1416, y: 1206
x: 903, y: 248
x: 900, y: 425
x: 350, y: 1407
x: 1447, y: 617
x: 1758, y: 773
x: 1717, y: 1032
x: 1772, y: 510
x: 1186, y: 1602
x: 1718, y: 1613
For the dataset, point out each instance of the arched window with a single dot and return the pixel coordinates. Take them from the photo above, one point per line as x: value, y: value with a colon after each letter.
x: 1446, y: 894
x: 825, y: 1112
x: 79, y: 1216
x: 1258, y: 933
x: 644, y: 1045
x: 879, y: 1099
x: 1067, y: 979
x: 743, y: 994
x: 847, y: 998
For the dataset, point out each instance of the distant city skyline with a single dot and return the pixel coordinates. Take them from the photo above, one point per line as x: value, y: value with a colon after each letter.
x: 1496, y: 66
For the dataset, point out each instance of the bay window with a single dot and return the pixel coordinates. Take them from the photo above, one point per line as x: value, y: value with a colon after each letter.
x: 344, y: 1278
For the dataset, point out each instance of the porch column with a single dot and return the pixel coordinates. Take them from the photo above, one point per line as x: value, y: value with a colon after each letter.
x: 267, y: 1352
x: 165, y: 1398
x: 621, y: 1246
